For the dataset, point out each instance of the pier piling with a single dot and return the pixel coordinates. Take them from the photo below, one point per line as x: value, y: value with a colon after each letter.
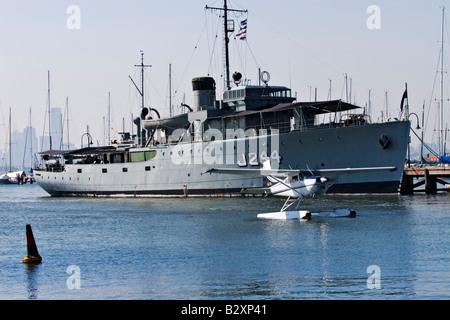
x: 429, y: 177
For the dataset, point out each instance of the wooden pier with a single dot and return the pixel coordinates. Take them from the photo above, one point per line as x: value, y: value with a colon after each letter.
x: 428, y: 176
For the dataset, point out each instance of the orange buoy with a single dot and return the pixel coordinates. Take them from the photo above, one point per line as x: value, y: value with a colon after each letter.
x: 32, y: 251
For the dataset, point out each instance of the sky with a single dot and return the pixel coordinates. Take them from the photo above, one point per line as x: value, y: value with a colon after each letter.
x: 91, y: 51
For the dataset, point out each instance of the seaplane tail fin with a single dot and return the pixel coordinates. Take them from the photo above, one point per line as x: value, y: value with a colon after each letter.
x: 266, y: 166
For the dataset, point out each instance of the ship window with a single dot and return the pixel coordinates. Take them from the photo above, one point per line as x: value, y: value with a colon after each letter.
x: 124, y: 169
x: 79, y: 170
x: 142, y: 156
x: 104, y: 170
x: 137, y: 157
x: 150, y: 155
x: 147, y: 168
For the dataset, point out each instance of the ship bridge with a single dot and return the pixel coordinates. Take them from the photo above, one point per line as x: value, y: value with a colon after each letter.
x: 286, y: 117
x: 256, y: 97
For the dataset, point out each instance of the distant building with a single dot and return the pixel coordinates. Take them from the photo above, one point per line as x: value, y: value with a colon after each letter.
x: 23, y: 147
x: 56, y: 132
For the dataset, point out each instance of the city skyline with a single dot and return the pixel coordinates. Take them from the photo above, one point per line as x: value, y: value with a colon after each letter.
x: 26, y: 143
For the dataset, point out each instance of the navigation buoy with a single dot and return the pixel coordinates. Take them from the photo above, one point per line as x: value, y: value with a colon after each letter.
x: 32, y: 251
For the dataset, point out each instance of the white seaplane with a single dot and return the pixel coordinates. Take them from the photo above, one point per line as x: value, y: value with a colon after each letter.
x: 297, y: 184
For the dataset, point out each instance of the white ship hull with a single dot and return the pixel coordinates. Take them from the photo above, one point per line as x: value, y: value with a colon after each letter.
x: 183, y: 174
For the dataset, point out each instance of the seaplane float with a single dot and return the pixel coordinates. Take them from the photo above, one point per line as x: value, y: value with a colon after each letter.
x: 296, y: 184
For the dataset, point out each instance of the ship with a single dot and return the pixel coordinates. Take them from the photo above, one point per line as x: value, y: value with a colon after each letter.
x: 246, y: 127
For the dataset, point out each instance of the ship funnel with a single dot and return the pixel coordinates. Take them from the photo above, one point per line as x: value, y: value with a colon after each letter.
x: 204, y: 93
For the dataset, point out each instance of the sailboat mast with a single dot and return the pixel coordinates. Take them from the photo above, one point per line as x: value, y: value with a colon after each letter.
x: 31, y: 144
x: 170, y: 89
x: 109, y: 119
x: 423, y: 126
x: 49, y: 111
x: 67, y: 121
x: 10, y: 166
x: 441, y: 123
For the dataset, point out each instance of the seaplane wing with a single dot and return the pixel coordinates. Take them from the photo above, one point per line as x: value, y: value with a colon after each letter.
x: 293, y: 172
x: 256, y: 172
x: 342, y: 171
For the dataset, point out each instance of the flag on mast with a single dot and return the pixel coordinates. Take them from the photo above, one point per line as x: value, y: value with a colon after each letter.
x: 243, y: 30
x: 405, y: 97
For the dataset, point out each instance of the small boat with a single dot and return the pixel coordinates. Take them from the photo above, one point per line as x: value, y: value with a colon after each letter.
x: 4, y: 179
x: 16, y: 177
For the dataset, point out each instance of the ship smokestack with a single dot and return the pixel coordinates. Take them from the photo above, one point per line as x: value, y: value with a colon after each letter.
x: 204, y: 93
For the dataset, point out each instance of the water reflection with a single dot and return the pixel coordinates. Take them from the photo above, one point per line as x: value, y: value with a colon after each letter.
x: 32, y: 275
x: 324, y: 228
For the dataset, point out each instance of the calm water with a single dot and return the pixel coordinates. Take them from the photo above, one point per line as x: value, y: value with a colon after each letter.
x: 217, y: 249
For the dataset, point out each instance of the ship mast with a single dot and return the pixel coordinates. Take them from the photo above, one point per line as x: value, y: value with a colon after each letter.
x: 226, y: 39
x: 144, y: 111
x: 142, y: 66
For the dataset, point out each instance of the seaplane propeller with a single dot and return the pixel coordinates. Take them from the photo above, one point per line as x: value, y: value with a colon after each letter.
x: 295, y: 184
